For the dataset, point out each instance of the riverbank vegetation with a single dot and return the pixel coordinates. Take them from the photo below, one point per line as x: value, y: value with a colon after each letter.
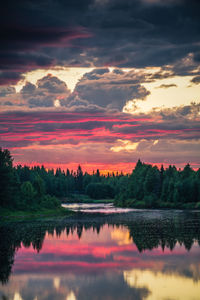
x: 150, y: 187
x: 26, y: 188
x: 9, y: 214
x: 22, y: 196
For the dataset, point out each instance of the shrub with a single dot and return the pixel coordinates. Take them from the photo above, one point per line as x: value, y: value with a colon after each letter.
x: 197, y: 205
x: 150, y: 201
x: 50, y: 202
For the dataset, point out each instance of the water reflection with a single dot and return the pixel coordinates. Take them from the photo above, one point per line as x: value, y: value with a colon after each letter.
x: 101, y: 208
x: 132, y: 256
x: 163, y: 286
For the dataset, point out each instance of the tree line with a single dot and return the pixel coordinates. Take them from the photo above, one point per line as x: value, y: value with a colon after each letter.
x: 24, y: 187
x: 151, y: 187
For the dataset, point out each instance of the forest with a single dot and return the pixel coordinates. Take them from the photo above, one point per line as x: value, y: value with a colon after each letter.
x: 29, y: 188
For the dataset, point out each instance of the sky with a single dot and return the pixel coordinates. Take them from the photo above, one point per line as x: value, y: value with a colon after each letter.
x: 100, y: 83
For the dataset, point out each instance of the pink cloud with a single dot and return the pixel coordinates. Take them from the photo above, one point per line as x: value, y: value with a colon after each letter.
x: 73, y: 137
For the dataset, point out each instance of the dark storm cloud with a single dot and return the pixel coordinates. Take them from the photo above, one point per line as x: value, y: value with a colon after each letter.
x: 52, y: 84
x: 6, y: 91
x: 45, y: 92
x: 191, y: 112
x: 161, y: 74
x: 74, y: 102
x: 135, y: 33
x: 26, y: 48
x: 96, y: 74
x: 109, y: 89
x: 196, y: 80
x: 10, y: 77
x: 28, y: 88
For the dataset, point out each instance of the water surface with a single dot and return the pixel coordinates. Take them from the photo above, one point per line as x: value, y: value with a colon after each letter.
x: 139, y: 254
x: 103, y: 208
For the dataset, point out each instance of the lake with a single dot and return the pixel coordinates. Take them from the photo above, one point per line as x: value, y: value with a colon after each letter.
x: 102, y: 253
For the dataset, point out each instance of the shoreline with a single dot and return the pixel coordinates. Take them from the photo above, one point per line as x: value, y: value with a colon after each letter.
x: 42, y: 214
x: 14, y: 215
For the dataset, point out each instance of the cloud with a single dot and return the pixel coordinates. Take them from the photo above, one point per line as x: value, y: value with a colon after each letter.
x: 112, y: 89
x: 89, y: 121
x: 10, y: 77
x: 102, y: 136
x: 102, y: 125
x: 6, y: 91
x: 196, y: 80
x: 94, y: 33
x: 166, y: 86
x: 30, y: 43
x: 52, y: 84
x: 189, y: 112
x: 46, y: 91
x: 28, y: 89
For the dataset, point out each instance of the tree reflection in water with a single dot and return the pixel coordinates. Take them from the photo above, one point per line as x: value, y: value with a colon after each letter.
x: 146, y: 233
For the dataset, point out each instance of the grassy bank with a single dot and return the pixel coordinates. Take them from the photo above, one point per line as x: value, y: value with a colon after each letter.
x: 130, y: 203
x: 82, y: 198
x: 9, y: 214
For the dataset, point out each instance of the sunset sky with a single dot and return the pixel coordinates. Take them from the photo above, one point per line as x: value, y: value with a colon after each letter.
x: 100, y: 83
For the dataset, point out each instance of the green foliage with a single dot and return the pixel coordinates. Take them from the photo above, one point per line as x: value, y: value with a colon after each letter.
x: 152, y: 188
x: 50, y: 202
x: 150, y: 201
x: 99, y: 190
x: 6, y: 176
x: 79, y: 179
x: 39, y: 186
x: 147, y: 186
x: 152, y: 182
x: 28, y: 192
x: 197, y: 205
x: 122, y: 200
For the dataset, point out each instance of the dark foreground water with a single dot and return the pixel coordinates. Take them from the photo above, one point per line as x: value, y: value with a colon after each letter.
x: 119, y: 255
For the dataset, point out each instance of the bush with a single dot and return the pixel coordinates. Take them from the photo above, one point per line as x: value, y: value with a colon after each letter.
x: 189, y: 205
x: 139, y: 204
x: 150, y: 201
x: 121, y: 200
x: 197, y: 205
x: 49, y: 202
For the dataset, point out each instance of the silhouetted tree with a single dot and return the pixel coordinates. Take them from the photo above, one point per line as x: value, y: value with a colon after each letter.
x: 79, y: 179
x: 6, y: 176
